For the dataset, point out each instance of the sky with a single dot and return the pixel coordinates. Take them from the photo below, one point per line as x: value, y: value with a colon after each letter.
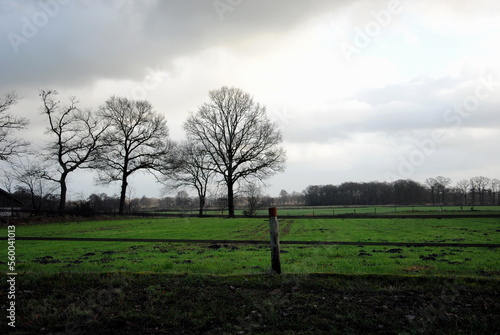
x: 361, y: 90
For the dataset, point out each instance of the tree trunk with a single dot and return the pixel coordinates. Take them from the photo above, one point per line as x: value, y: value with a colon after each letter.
x: 33, y: 202
x: 230, y: 197
x: 123, y: 194
x: 64, y: 190
x: 202, y: 205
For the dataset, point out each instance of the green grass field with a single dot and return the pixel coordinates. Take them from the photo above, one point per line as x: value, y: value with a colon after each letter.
x: 369, y: 210
x: 206, y: 258
x: 190, y: 288
x: 384, y: 210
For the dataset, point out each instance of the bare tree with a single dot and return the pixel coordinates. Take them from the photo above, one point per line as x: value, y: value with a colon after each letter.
x: 195, y: 170
x: 432, y: 183
x: 182, y: 201
x: 29, y: 173
x: 284, y: 197
x: 253, y: 197
x: 238, y: 136
x: 9, y: 123
x: 438, y: 187
x: 221, y: 201
x: 75, y: 138
x: 495, y: 188
x: 478, y: 186
x: 442, y: 187
x: 297, y: 198
x: 463, y: 187
x: 136, y: 140
x: 7, y: 181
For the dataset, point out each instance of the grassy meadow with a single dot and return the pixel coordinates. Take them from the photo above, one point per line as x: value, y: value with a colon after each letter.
x: 363, y: 210
x: 386, y: 210
x: 68, y: 287
x: 230, y: 259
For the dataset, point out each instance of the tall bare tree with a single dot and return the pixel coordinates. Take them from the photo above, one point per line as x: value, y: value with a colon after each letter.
x: 136, y: 139
x: 75, y: 138
x: 195, y: 169
x: 478, y: 186
x: 432, y: 183
x: 442, y: 187
x: 463, y: 187
x: 238, y: 136
x: 9, y: 123
x: 495, y: 189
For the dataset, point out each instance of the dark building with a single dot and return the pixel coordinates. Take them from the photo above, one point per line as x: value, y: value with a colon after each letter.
x: 8, y: 203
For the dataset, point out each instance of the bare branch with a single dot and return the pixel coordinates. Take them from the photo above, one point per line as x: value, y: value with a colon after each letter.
x: 9, y: 145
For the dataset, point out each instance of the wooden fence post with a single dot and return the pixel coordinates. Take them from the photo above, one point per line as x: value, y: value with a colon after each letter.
x: 275, y: 240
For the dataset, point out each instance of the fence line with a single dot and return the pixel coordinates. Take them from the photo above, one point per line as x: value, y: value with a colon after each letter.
x: 158, y: 240
x: 192, y: 214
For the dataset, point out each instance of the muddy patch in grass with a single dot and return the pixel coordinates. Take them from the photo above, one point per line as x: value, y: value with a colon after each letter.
x: 102, y: 260
x: 161, y: 249
x: 364, y: 253
x: 390, y: 251
x: 431, y: 257
x: 46, y: 260
x: 135, y: 247
x: 396, y: 251
x: 416, y: 268
x: 216, y: 246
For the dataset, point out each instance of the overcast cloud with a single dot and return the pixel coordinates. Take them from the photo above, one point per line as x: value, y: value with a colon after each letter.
x: 362, y: 90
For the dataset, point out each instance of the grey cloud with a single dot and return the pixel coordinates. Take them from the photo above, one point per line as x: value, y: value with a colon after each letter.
x: 407, y: 109
x: 85, y: 40
x: 438, y: 102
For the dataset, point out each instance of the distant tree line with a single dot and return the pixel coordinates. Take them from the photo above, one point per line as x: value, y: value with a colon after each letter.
x: 436, y: 191
x: 96, y: 204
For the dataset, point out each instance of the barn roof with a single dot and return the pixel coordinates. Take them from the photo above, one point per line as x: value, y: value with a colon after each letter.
x: 8, y: 200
